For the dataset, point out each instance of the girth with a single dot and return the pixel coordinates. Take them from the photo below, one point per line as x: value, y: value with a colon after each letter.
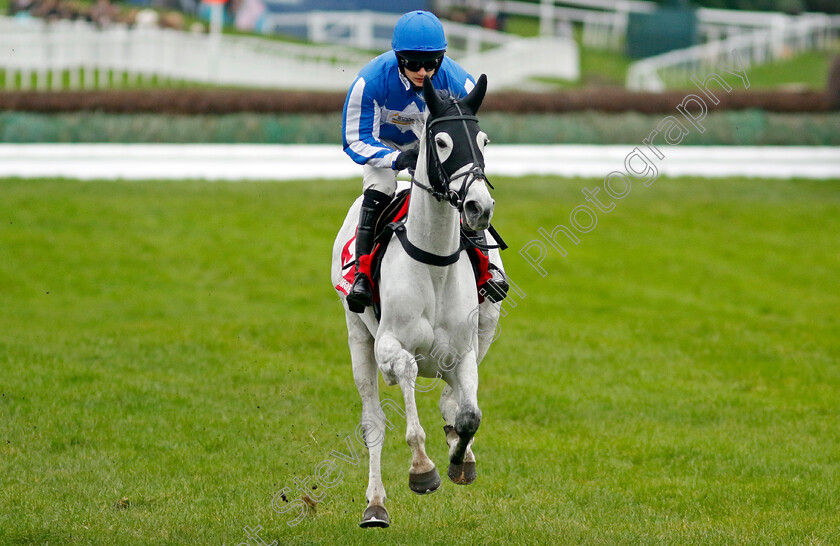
x: 421, y: 255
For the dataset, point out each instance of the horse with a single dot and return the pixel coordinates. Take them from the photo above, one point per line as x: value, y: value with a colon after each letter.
x: 431, y: 324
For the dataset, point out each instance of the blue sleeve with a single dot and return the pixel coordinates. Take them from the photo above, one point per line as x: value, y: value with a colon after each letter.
x: 360, y: 127
x: 459, y: 81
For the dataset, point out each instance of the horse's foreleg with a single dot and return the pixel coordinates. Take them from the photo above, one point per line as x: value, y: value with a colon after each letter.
x: 488, y: 327
x: 373, y: 418
x: 467, y: 420
x: 449, y: 409
x: 422, y: 476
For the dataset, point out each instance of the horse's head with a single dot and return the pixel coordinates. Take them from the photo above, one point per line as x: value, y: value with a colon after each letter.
x: 454, y: 146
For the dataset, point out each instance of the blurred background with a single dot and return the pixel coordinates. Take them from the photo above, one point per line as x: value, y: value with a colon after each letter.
x: 276, y: 71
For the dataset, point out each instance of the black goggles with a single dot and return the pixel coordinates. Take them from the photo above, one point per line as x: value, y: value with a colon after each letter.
x: 415, y: 66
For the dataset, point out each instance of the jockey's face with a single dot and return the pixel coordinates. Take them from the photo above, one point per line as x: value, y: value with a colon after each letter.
x: 416, y: 78
x: 415, y: 68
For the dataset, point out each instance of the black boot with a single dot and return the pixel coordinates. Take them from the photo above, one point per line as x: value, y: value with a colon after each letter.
x: 497, y: 287
x: 361, y: 293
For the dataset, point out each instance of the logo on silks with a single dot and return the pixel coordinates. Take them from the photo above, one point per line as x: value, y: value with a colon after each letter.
x: 405, y: 118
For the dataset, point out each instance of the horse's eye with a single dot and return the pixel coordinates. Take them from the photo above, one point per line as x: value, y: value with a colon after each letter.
x: 440, y: 142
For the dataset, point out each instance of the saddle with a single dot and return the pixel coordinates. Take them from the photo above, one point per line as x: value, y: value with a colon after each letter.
x: 391, y: 222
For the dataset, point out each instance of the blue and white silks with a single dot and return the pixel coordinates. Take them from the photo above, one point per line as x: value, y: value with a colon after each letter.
x: 382, y: 104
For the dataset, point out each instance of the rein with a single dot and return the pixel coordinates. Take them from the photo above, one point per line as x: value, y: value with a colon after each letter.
x: 443, y: 191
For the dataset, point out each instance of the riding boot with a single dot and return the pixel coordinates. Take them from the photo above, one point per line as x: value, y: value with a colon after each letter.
x: 373, y: 203
x: 497, y: 287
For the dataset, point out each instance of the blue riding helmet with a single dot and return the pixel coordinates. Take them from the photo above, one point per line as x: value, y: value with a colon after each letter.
x: 419, y: 31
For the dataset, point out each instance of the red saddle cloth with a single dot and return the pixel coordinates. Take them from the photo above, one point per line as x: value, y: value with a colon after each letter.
x: 368, y: 264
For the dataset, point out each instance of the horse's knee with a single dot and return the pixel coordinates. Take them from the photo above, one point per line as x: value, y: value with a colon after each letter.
x: 415, y: 437
x: 388, y: 348
x: 406, y: 367
x: 467, y: 422
x: 391, y: 354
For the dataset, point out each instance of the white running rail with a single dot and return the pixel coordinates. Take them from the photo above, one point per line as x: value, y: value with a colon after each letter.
x: 372, y: 30
x: 605, y: 21
x: 77, y: 55
x: 304, y: 162
x: 805, y: 33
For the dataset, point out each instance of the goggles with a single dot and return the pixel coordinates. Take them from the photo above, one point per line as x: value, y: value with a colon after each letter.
x: 415, y: 66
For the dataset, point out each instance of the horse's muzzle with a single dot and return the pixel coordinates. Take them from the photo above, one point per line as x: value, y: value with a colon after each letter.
x: 477, y: 215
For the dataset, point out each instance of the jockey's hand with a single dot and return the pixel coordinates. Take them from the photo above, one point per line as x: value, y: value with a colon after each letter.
x: 406, y: 160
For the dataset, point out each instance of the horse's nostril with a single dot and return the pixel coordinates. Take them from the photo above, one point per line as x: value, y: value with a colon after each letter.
x: 471, y: 208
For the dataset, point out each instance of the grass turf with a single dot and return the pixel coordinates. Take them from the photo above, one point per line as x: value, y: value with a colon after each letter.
x: 172, y: 355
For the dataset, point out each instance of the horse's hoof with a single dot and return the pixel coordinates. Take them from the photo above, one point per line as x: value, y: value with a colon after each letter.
x: 375, y: 516
x: 427, y: 482
x: 462, y: 474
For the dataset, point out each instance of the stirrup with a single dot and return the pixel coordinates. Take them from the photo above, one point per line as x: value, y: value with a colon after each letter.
x: 360, y: 294
x: 497, y: 287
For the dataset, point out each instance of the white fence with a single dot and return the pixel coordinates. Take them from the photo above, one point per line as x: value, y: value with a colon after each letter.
x: 601, y: 29
x: 508, y: 61
x: 372, y: 31
x: 78, y: 55
x: 604, y: 22
x: 806, y: 33
x: 759, y: 37
x: 516, y: 62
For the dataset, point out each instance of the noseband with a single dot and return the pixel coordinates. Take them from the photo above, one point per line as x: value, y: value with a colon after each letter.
x: 442, y: 189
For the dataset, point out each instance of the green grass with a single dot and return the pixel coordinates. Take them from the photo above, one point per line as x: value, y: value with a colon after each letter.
x: 598, y: 68
x: 522, y: 25
x: 608, y: 68
x: 172, y: 354
x: 808, y: 71
x: 603, y: 68
x: 804, y: 72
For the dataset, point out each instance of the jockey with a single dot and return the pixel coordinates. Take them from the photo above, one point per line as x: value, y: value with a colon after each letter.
x: 383, y: 103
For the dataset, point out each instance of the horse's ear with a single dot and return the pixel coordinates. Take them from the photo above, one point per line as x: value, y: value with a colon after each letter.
x: 473, y: 100
x: 435, y: 104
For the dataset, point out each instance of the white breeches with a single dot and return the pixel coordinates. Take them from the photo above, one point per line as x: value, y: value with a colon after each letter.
x: 384, y: 179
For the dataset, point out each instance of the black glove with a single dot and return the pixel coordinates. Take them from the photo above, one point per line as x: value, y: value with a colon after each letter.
x: 406, y: 160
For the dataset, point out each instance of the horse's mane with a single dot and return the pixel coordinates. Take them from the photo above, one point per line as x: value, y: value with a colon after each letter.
x: 449, y: 98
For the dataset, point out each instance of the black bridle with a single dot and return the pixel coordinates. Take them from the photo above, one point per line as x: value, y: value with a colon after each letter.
x: 440, y: 186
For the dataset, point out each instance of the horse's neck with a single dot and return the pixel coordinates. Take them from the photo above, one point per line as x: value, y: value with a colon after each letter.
x: 431, y: 225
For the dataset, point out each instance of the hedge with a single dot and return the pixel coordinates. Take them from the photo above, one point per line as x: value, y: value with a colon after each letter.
x: 733, y: 127
x: 227, y: 101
